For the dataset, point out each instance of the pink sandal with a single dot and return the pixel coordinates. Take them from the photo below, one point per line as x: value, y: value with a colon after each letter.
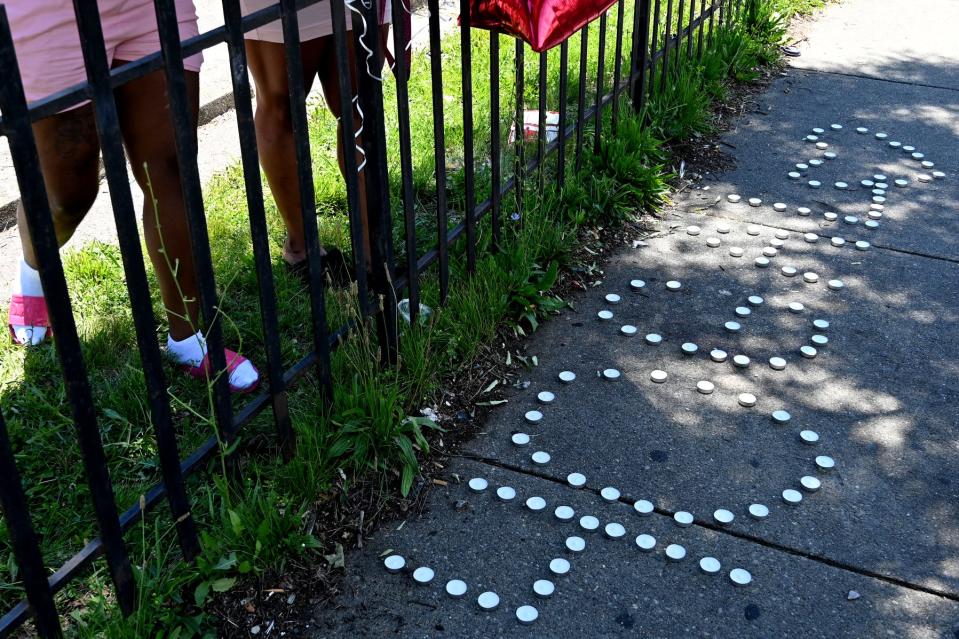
x: 28, y: 310
x: 233, y: 360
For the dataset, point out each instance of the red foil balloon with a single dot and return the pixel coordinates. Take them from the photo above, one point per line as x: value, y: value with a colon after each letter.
x: 541, y: 23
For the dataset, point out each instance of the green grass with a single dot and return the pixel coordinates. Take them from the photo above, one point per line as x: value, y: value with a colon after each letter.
x: 790, y: 8
x: 367, y: 436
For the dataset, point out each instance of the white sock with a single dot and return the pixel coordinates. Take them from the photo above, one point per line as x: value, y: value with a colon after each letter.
x: 192, y: 350
x: 27, y: 282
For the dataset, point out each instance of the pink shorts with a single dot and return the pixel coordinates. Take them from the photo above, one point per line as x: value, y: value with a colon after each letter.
x: 315, y: 20
x: 47, y: 41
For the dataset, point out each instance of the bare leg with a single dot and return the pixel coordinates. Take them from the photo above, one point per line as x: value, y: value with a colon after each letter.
x: 69, y: 151
x: 148, y: 135
x: 330, y: 80
x: 274, y: 128
x: 274, y: 131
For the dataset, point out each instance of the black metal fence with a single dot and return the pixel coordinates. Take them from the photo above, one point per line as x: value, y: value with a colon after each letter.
x: 650, y: 50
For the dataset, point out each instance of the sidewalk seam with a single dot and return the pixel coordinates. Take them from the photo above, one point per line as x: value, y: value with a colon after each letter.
x: 833, y: 563
x: 892, y: 249
x: 861, y: 76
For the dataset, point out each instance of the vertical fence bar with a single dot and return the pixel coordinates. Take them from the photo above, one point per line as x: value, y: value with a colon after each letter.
x: 138, y: 288
x: 632, y: 68
x: 722, y: 12
x: 633, y: 48
x: 712, y: 22
x: 348, y: 141
x: 618, y: 63
x: 689, y: 38
x: 654, y: 47
x: 563, y: 112
x: 468, y: 160
x: 496, y: 166
x: 702, y: 28
x: 350, y: 128
x: 40, y: 227
x: 23, y: 538
x: 641, y: 57
x: 519, y: 161
x: 439, y: 147
x: 304, y: 170
x: 370, y: 93
x: 581, y: 98
x: 186, y: 153
x: 666, y: 38
x: 541, y: 137
x: 600, y: 84
x: 679, y: 33
x: 400, y: 42
x: 258, y: 229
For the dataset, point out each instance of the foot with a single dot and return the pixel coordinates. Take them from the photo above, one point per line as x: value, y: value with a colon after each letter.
x: 294, y: 253
x: 191, y: 354
x: 28, y: 321
x: 297, y: 262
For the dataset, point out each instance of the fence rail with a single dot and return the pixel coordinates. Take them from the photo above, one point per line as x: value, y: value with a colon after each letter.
x: 651, y: 50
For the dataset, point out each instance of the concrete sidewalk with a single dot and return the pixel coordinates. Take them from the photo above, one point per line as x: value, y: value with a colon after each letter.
x: 875, y: 552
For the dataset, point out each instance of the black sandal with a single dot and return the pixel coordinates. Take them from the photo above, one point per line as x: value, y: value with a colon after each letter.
x: 300, y: 270
x: 335, y: 266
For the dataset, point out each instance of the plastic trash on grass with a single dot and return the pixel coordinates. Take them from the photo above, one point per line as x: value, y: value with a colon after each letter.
x: 404, y: 310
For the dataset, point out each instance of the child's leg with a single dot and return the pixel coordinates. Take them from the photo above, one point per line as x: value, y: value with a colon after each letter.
x: 68, y: 150
x: 274, y: 132
x: 330, y: 80
x: 148, y: 135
